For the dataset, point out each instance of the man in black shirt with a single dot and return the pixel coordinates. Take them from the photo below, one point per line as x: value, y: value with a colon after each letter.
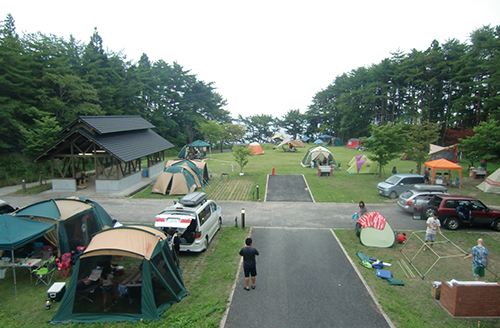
x: 249, y: 264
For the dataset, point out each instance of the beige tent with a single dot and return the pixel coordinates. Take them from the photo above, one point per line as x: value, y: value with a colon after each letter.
x: 77, y: 219
x: 153, y: 281
x: 492, y: 183
x: 297, y: 143
x: 199, y: 166
x: 176, y: 180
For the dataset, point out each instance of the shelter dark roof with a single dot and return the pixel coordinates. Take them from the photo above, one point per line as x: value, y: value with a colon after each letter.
x: 125, y: 137
x: 130, y: 145
x: 111, y: 124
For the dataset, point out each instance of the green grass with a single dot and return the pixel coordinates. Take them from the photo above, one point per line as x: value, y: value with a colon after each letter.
x: 34, y: 189
x: 341, y: 188
x: 209, y: 276
x: 411, y: 305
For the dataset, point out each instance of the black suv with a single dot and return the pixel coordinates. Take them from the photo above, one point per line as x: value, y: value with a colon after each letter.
x: 454, y: 211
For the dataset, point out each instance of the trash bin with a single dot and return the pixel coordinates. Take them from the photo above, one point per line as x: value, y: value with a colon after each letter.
x: 145, y: 173
x: 46, y: 252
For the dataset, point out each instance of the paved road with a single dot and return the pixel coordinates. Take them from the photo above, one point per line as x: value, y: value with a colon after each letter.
x: 303, y: 280
x: 258, y: 214
x: 304, y: 277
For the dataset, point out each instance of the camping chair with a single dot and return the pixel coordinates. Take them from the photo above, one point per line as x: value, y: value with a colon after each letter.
x: 64, y: 265
x: 85, y: 288
x: 46, y: 271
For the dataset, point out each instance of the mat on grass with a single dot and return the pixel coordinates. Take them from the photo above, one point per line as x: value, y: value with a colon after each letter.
x: 287, y: 188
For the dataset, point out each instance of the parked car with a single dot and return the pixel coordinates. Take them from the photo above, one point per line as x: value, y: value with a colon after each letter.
x: 407, y: 198
x: 195, y: 218
x: 398, y: 183
x: 5, y: 207
x: 455, y: 211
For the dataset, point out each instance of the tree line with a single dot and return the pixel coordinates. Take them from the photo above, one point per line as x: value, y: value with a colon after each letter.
x: 455, y: 85
x: 47, y: 81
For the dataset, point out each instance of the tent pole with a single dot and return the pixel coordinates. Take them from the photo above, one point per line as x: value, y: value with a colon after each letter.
x: 14, y: 272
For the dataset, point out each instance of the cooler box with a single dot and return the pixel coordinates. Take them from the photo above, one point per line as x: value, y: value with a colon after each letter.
x: 56, y: 292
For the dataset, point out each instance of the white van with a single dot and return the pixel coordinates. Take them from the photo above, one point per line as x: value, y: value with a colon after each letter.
x: 195, y: 218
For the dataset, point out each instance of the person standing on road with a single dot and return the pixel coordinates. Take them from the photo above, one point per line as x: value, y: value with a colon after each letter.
x: 479, y: 254
x: 249, y: 263
x: 433, y: 225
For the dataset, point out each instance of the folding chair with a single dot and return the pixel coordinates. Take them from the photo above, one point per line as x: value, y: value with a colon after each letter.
x: 64, y: 265
x: 84, y: 291
x: 46, y: 271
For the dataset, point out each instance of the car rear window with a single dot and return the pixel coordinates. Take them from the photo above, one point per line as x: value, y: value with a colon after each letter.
x: 407, y: 194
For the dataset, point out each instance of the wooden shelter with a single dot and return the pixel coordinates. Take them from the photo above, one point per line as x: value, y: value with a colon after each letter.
x: 111, y: 145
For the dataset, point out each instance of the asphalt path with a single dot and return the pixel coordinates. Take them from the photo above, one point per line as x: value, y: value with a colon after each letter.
x: 257, y: 214
x: 287, y: 188
x: 303, y: 279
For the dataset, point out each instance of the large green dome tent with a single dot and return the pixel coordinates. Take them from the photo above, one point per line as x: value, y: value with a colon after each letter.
x: 151, y: 282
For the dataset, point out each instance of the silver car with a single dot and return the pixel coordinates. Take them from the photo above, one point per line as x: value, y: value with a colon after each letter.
x: 407, y: 198
x: 195, y: 218
x: 5, y: 207
x: 399, y: 183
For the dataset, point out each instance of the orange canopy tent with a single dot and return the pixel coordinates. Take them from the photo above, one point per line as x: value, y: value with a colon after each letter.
x: 443, y: 164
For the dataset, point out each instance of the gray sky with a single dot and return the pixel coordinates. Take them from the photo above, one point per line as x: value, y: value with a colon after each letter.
x: 265, y: 57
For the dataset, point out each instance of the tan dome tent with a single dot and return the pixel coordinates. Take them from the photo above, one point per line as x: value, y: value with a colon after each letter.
x: 151, y: 282
x: 77, y: 219
x: 176, y: 180
x: 297, y: 143
x: 199, y: 166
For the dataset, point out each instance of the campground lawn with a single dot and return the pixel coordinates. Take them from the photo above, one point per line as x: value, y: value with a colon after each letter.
x: 209, y: 276
x: 341, y: 188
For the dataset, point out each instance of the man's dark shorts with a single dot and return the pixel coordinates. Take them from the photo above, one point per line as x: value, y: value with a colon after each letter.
x: 250, y: 272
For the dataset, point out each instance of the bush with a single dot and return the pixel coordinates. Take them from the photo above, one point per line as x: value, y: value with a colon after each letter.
x: 16, y: 167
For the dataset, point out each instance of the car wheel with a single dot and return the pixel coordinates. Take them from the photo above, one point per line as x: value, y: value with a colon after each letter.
x: 393, y: 195
x: 452, y: 223
x: 428, y: 212
x: 496, y: 225
x: 205, y: 244
x: 220, y: 224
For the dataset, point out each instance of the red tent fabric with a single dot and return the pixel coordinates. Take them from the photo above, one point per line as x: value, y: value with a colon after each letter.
x: 372, y: 219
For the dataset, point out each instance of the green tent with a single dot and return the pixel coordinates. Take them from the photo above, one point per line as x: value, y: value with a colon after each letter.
x: 197, y: 165
x: 16, y: 232
x: 362, y: 165
x: 337, y: 142
x: 77, y: 219
x: 151, y: 282
x: 176, y: 180
x: 375, y: 231
x: 199, y: 143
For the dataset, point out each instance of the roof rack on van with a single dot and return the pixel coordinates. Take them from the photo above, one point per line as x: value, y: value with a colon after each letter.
x: 193, y: 199
x: 424, y: 187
